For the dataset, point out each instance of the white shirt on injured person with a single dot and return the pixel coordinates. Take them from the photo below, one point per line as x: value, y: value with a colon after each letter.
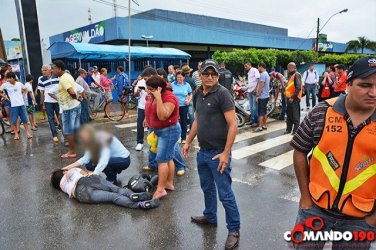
x: 70, y: 179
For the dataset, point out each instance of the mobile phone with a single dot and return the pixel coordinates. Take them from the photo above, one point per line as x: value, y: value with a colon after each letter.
x: 142, y: 87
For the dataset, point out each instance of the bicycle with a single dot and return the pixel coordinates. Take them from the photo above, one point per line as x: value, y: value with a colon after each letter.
x: 114, y: 110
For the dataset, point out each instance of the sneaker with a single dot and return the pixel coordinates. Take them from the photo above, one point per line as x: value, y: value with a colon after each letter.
x: 141, y: 196
x: 253, y: 125
x: 287, y: 132
x: 258, y: 130
x: 55, y: 139
x: 139, y: 147
x: 154, y: 203
x: 180, y: 172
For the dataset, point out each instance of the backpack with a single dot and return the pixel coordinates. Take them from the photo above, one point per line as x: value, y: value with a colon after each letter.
x: 225, y: 78
x: 307, y: 75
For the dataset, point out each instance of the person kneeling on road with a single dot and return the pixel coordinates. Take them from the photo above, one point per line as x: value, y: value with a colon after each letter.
x: 87, y: 187
x: 104, y: 153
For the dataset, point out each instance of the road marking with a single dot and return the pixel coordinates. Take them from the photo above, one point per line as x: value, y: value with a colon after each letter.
x: 261, y: 146
x: 127, y: 125
x: 279, y: 162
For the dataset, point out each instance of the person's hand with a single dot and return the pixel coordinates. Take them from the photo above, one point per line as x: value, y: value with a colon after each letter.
x: 145, y: 124
x: 257, y: 98
x: 186, y: 102
x: 223, y: 161
x: 157, y: 93
x: 291, y: 100
x: 305, y: 202
x: 89, y: 173
x: 371, y: 220
x: 67, y: 167
x: 185, y: 150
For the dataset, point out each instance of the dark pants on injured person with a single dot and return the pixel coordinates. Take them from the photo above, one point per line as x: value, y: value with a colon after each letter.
x: 115, y: 166
x: 94, y: 189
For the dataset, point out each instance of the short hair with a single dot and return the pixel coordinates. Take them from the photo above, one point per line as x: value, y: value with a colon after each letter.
x: 103, y: 69
x: 120, y: 68
x: 59, y: 64
x: 148, y: 66
x: 149, y: 72
x: 162, y: 72
x: 81, y: 71
x: 311, y: 64
x: 262, y: 65
x: 332, y: 68
x: 29, y: 78
x: 56, y: 177
x: 46, y: 66
x: 157, y: 82
x: 248, y: 63
x: 11, y: 75
x: 179, y: 73
x: 176, y: 67
x: 340, y: 66
x: 2, y: 72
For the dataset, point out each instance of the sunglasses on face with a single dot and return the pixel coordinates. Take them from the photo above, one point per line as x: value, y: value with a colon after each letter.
x: 207, y: 74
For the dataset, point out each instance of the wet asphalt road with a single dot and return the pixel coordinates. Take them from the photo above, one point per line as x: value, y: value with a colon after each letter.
x: 35, y: 216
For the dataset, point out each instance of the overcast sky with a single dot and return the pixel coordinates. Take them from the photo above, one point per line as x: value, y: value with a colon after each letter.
x: 298, y: 16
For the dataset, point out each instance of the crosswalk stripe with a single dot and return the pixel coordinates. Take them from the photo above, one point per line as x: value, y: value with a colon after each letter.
x: 127, y: 125
x: 279, y: 162
x: 261, y: 146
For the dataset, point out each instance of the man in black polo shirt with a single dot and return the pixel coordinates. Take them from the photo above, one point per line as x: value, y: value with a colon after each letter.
x: 215, y: 126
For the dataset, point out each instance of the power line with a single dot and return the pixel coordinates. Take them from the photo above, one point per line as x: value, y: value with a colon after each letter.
x: 305, y: 40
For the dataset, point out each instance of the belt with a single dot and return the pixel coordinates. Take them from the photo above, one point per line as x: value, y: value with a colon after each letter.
x: 339, y: 215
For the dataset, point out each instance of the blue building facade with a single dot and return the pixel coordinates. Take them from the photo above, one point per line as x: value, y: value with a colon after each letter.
x: 197, y: 34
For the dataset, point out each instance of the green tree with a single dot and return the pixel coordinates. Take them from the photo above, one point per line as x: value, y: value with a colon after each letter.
x: 360, y: 44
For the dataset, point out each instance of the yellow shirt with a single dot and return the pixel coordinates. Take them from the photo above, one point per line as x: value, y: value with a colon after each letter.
x: 66, y: 82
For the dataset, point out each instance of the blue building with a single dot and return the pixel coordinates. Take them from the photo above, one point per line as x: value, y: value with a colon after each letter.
x: 198, y: 35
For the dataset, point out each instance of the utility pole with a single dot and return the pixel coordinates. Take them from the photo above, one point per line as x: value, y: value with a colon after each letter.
x: 89, y: 16
x: 115, y: 8
x: 317, y: 35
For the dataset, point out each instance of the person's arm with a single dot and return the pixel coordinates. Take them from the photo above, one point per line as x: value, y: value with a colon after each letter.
x: 191, y: 136
x: 260, y: 86
x: 103, y: 160
x: 232, y: 124
x: 316, y: 78
x: 53, y: 96
x: 72, y: 93
x: 282, y: 80
x: 164, y: 110
x: 302, y: 174
x: 188, y: 99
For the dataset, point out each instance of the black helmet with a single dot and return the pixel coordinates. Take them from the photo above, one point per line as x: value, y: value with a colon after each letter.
x: 139, y: 185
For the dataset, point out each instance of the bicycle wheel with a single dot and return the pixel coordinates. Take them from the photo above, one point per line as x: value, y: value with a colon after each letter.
x: 132, y: 103
x: 115, y: 111
x: 2, y: 129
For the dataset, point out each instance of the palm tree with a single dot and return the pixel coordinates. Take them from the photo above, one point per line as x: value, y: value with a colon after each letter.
x: 361, y: 44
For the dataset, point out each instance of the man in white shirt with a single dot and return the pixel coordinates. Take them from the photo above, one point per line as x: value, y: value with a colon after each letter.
x: 141, y: 94
x: 46, y: 83
x: 310, y: 81
x: 253, y: 79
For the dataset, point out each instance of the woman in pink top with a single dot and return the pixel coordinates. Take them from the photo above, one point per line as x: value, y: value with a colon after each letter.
x: 106, y: 83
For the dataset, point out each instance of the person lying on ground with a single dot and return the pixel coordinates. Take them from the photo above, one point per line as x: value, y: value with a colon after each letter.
x: 87, y: 187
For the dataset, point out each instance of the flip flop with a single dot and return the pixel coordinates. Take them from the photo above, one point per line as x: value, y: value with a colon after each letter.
x: 68, y: 156
x: 30, y: 137
x: 16, y: 138
x: 34, y: 129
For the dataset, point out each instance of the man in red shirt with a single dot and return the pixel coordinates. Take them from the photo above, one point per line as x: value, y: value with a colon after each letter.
x: 340, y: 82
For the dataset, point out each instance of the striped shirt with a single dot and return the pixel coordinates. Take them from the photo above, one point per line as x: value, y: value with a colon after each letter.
x: 46, y: 84
x: 310, y: 130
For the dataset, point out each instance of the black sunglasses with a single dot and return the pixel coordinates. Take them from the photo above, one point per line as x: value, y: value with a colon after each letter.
x: 207, y: 74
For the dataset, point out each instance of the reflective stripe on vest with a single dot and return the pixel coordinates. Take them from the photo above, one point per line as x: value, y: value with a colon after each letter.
x: 290, y: 88
x: 347, y: 186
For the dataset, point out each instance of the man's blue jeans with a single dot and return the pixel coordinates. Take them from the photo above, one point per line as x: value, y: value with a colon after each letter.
x: 191, y: 115
x: 51, y: 109
x: 253, y: 107
x: 284, y: 103
x: 212, y: 181
x: 140, y: 125
x: 84, y: 117
x: 310, y: 90
x: 335, y: 224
